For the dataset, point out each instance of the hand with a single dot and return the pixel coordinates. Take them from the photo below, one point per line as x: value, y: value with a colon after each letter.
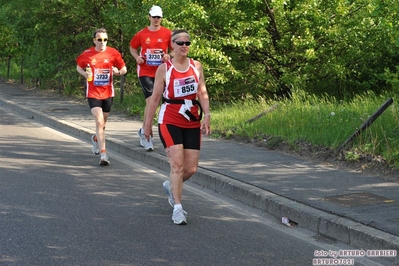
x: 147, y: 131
x: 116, y: 71
x: 206, y: 126
x: 139, y: 60
x: 166, y: 57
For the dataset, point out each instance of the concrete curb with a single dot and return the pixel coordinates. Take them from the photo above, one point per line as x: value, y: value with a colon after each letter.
x: 321, y: 222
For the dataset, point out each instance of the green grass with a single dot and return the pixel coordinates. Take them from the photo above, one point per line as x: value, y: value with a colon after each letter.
x: 317, y: 120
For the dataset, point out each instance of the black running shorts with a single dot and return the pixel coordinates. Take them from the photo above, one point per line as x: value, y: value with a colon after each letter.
x: 105, y: 104
x: 147, y: 85
x: 172, y: 135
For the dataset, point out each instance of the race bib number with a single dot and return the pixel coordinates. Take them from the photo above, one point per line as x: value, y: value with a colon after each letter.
x: 184, y: 87
x: 154, y: 57
x: 101, y: 77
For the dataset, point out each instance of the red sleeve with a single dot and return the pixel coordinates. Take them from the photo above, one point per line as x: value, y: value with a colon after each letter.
x: 84, y: 58
x: 135, y: 42
x: 119, y: 62
x: 170, y: 40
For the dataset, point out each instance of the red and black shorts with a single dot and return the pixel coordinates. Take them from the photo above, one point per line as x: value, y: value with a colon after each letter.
x: 172, y: 135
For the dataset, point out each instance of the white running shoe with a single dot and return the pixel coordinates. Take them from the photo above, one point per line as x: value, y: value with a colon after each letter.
x: 166, y: 188
x: 104, y: 159
x: 143, y: 140
x: 148, y: 146
x: 179, y: 216
x: 95, y: 149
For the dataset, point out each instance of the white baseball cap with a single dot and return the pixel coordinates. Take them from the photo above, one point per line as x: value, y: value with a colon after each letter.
x: 156, y: 11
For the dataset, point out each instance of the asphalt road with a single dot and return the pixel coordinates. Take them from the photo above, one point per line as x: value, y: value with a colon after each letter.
x: 59, y: 207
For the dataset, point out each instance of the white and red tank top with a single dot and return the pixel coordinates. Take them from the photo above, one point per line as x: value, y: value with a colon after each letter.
x: 179, y: 85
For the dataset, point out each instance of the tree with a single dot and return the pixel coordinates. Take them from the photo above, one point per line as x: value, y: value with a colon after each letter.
x: 251, y: 47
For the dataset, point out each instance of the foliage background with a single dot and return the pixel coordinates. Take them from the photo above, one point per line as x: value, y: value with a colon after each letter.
x: 252, y: 47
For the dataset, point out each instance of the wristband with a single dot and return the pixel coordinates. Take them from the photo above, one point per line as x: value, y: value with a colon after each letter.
x: 207, y: 115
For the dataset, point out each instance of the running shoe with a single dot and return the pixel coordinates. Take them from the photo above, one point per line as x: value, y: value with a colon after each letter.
x: 95, y: 149
x: 166, y: 188
x: 141, y: 135
x: 179, y: 216
x: 148, y: 145
x: 104, y: 159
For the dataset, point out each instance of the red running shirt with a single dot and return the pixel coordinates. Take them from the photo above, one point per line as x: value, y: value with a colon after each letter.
x: 153, y: 45
x: 101, y: 63
x: 179, y: 85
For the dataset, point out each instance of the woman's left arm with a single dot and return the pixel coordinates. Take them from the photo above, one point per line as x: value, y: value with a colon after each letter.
x: 204, y: 100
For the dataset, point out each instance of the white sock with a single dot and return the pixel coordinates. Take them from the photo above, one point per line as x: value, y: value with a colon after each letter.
x: 177, y: 206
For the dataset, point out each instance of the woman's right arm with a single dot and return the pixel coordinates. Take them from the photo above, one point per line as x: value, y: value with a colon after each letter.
x: 157, y: 92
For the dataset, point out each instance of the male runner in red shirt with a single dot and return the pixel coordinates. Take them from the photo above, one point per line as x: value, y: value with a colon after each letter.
x: 103, y: 62
x: 153, y: 42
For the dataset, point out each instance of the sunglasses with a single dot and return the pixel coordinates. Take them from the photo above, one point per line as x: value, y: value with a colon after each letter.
x: 101, y: 39
x: 158, y: 17
x: 181, y: 43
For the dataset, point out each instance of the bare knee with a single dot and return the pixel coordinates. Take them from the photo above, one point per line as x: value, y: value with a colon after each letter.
x: 188, y: 172
x: 177, y: 169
